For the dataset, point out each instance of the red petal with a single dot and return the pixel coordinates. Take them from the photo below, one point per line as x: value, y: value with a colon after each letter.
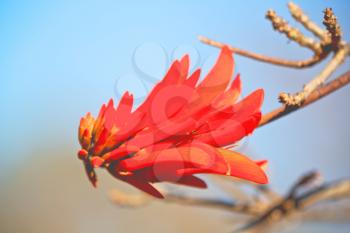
x: 144, y: 186
x: 236, y: 165
x: 228, y: 131
x: 192, y: 181
x: 249, y: 105
x: 193, y: 155
x: 172, y: 76
x: 161, y: 132
x: 123, y: 111
x: 163, y: 174
x: 184, y: 67
x: 229, y: 97
x: 97, y: 161
x: 203, y: 158
x: 109, y: 115
x: 217, y: 79
x: 168, y: 101
x: 193, y: 79
x: 137, y: 182
x: 224, y: 127
x: 90, y: 172
x: 262, y: 163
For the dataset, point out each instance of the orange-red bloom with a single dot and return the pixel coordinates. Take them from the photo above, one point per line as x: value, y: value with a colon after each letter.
x: 182, y: 128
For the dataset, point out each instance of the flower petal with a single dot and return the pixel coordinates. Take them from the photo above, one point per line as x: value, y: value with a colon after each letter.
x: 236, y: 165
x: 137, y: 182
x: 216, y: 80
x: 193, y: 79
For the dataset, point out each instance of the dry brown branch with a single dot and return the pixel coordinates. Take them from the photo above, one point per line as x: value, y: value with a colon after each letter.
x: 321, y: 49
x: 138, y: 200
x: 233, y: 188
x: 334, y: 85
x: 243, y: 208
x: 298, y: 98
x: 263, y: 58
x: 302, y: 18
x: 267, y: 192
x: 128, y: 200
x: 328, y: 192
x: 292, y: 33
x: 314, y: 96
x: 331, y: 213
x: 303, y: 195
x: 333, y: 28
x: 330, y: 41
x: 294, y: 203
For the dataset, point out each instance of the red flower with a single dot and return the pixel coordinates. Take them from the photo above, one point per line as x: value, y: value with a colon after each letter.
x: 184, y: 127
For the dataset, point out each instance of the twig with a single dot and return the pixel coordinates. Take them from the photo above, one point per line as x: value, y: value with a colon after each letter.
x: 233, y: 188
x: 334, y: 85
x: 294, y: 203
x: 341, y: 49
x: 138, y: 200
x: 215, y: 203
x: 334, y: 213
x: 263, y: 58
x: 298, y: 98
x: 333, y: 28
x: 332, y: 191
x: 302, y: 18
x: 128, y: 200
x: 330, y: 41
x: 279, y: 24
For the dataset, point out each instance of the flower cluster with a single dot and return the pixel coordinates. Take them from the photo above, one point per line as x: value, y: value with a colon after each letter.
x: 184, y: 127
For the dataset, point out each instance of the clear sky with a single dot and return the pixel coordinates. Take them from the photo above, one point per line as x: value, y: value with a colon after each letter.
x: 60, y: 59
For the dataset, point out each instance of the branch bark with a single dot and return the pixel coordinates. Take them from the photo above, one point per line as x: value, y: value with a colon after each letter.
x: 334, y: 85
x: 259, y: 57
x: 302, y: 18
x: 298, y: 98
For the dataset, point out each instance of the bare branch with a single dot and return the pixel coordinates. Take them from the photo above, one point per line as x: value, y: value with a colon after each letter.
x: 295, y: 203
x: 302, y: 18
x: 298, y: 98
x: 330, y: 42
x: 281, y: 25
x: 335, y: 213
x: 332, y: 191
x: 138, y: 200
x: 330, y: 21
x: 272, y: 60
x: 128, y: 200
x: 305, y: 180
x: 314, y: 96
x: 215, y: 203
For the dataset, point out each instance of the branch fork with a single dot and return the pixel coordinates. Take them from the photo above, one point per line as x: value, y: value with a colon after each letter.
x: 327, y: 41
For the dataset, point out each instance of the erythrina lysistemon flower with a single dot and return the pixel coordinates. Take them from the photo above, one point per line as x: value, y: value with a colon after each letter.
x: 184, y: 127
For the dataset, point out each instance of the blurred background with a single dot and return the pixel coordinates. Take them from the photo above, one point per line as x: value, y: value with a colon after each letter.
x: 61, y: 59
